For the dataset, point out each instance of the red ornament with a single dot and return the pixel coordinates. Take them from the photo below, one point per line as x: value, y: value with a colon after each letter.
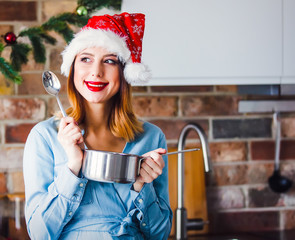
x: 10, y: 38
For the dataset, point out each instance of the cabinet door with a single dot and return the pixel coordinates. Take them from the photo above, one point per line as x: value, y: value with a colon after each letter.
x: 289, y: 42
x: 203, y: 42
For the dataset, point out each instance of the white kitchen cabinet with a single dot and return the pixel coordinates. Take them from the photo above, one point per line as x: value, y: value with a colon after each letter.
x: 289, y: 42
x: 207, y: 42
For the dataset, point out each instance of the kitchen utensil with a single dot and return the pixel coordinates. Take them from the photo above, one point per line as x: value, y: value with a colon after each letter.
x: 102, y: 165
x: 52, y: 86
x: 106, y: 166
x: 277, y: 182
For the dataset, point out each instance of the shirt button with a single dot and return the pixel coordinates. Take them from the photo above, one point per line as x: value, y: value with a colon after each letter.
x: 70, y: 213
x: 81, y: 185
x: 75, y: 197
x: 140, y: 200
x: 144, y: 224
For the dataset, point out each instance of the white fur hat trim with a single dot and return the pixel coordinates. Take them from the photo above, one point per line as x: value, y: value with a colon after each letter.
x: 133, y: 72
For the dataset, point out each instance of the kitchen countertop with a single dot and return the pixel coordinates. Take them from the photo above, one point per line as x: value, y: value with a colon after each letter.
x: 269, y: 235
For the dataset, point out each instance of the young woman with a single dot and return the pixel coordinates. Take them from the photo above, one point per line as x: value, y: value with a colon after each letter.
x: 101, y: 62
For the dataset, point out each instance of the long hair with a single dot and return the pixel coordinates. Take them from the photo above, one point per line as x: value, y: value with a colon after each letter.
x: 122, y: 121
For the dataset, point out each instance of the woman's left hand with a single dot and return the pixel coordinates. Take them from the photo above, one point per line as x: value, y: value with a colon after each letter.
x: 150, y: 169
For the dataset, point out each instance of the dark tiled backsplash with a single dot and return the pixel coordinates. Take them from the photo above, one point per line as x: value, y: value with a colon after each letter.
x: 242, y: 128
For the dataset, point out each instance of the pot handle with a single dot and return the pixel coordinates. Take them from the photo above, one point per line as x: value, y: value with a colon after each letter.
x: 139, y: 164
x: 168, y: 153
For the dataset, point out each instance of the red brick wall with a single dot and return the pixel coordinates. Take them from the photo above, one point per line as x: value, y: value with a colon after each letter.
x: 241, y: 146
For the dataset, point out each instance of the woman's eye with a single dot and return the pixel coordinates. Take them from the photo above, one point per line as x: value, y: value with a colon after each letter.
x: 85, y: 59
x: 111, y: 61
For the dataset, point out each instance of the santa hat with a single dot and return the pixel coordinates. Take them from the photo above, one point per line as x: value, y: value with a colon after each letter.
x: 120, y: 34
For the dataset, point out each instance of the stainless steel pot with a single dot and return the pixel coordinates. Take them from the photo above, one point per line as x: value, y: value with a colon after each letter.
x: 106, y: 166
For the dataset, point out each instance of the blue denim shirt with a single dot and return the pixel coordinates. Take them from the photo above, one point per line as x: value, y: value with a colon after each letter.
x: 60, y: 205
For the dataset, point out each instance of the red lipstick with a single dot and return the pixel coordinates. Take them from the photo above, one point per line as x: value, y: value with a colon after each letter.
x: 95, y: 86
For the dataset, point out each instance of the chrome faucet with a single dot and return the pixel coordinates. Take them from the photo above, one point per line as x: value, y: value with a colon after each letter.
x: 182, y: 223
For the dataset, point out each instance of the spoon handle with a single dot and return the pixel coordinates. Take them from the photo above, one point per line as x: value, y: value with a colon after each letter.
x: 61, y: 107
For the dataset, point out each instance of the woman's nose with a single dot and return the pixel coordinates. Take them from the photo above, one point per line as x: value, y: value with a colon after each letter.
x: 97, y: 71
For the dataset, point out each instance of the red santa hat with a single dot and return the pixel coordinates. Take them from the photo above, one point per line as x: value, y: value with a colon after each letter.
x: 120, y: 34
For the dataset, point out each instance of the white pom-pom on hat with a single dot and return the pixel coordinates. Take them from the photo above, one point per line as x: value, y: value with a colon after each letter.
x: 137, y: 73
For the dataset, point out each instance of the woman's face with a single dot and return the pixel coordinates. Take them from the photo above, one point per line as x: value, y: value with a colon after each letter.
x: 97, y: 74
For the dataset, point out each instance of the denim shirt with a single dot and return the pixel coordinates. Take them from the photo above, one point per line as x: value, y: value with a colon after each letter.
x: 60, y: 205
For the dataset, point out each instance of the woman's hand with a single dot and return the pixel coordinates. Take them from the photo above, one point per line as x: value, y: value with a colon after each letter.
x: 150, y: 169
x: 70, y: 136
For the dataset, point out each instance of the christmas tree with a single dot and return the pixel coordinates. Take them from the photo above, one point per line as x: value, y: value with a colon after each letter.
x: 39, y: 35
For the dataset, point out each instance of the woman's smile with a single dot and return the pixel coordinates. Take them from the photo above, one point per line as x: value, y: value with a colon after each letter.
x: 95, y: 86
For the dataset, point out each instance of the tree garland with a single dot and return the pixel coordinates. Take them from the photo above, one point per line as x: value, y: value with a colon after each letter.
x: 38, y: 36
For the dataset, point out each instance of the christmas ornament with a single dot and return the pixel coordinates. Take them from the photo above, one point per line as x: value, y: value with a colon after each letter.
x: 82, y: 11
x: 92, y: 5
x: 40, y: 35
x: 10, y: 38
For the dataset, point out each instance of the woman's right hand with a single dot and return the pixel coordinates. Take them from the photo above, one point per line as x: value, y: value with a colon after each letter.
x: 70, y: 136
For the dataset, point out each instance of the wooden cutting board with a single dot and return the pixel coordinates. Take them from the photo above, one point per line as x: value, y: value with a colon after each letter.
x: 194, y: 187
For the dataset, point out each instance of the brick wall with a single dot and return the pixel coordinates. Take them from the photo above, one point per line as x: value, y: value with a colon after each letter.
x: 241, y: 146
